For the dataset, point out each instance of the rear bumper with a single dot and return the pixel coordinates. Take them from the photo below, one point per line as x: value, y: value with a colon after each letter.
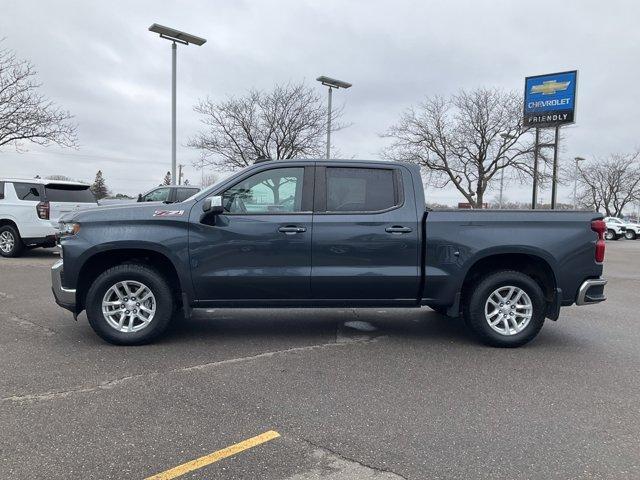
x: 65, y: 297
x: 591, y: 291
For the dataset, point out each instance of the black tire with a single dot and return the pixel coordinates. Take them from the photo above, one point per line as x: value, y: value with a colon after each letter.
x: 474, y: 308
x: 18, y: 246
x: 611, y: 235
x: 630, y: 235
x: 144, y: 274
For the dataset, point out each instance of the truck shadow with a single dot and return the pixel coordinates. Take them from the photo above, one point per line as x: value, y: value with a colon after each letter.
x: 322, y: 325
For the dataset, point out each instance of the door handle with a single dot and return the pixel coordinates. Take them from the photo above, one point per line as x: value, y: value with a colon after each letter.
x: 292, y: 230
x: 396, y: 229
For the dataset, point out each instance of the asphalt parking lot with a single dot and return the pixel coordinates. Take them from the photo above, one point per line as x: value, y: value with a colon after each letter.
x: 417, y: 398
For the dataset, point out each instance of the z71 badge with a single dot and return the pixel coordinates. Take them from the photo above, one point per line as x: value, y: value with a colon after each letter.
x: 168, y: 213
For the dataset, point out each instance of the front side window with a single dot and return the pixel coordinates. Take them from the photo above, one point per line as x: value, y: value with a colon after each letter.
x: 28, y: 191
x: 278, y: 190
x: 158, y: 195
x: 360, y: 189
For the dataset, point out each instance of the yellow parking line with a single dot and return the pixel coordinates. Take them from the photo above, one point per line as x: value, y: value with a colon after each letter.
x: 215, y: 456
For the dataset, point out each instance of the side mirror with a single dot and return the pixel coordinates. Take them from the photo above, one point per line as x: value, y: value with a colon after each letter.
x: 213, y: 205
x: 139, y: 197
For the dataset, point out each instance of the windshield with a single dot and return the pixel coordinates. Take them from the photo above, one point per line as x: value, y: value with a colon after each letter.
x: 69, y: 193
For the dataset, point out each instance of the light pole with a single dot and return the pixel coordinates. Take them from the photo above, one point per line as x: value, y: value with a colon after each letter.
x: 506, y: 138
x: 331, y: 83
x: 175, y: 36
x: 575, y: 182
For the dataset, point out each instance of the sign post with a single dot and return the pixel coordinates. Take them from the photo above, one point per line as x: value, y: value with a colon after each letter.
x: 549, y: 101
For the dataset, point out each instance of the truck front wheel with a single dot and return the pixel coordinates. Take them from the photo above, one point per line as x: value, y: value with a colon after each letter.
x: 505, y: 309
x: 129, y: 304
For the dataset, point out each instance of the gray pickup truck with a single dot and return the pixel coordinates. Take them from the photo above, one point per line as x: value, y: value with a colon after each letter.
x: 314, y: 233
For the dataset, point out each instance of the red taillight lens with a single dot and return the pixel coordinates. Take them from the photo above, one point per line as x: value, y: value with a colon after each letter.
x: 43, y: 210
x: 599, y: 227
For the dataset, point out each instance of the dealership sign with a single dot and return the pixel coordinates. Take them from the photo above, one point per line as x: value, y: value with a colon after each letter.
x: 550, y: 99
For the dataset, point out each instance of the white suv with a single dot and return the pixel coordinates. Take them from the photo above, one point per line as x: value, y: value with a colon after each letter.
x: 616, y: 228
x: 30, y: 210
x: 631, y: 231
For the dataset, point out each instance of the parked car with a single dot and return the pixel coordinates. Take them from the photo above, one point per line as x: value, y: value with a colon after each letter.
x: 168, y: 194
x: 616, y: 228
x: 326, y: 234
x: 30, y: 210
x: 631, y: 231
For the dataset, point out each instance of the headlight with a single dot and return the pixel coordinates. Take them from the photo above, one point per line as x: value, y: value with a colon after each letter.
x: 69, y: 229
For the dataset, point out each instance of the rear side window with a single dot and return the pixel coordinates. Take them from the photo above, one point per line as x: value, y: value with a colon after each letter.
x: 183, y: 193
x: 360, y: 189
x: 29, y: 191
x: 69, y: 193
x: 1, y: 190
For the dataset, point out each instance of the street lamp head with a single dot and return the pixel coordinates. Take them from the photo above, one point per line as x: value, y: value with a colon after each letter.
x: 332, y: 82
x: 176, y: 35
x: 579, y: 159
x: 508, y: 136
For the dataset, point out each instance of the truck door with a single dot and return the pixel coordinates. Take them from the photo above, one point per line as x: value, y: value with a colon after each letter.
x: 259, y: 249
x: 365, y: 235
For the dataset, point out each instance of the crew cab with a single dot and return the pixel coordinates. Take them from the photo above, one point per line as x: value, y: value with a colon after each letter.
x: 30, y: 210
x: 320, y: 233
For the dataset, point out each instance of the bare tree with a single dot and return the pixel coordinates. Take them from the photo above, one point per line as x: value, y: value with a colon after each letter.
x: 59, y: 177
x: 25, y: 114
x: 610, y: 183
x: 209, y: 179
x: 289, y: 121
x: 464, y: 140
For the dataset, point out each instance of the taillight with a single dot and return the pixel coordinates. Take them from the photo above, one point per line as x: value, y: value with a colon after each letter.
x: 43, y: 210
x: 600, y: 228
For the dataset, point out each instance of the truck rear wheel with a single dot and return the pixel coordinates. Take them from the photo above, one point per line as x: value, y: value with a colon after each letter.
x: 129, y: 304
x: 10, y: 242
x: 630, y: 235
x: 505, y: 309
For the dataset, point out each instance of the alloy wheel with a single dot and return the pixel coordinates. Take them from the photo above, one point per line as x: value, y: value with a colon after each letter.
x: 508, y: 310
x: 7, y: 241
x: 128, y: 306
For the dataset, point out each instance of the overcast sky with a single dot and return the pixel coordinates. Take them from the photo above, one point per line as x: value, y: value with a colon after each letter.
x: 98, y: 60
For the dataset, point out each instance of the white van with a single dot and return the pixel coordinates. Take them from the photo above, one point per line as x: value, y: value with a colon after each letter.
x: 30, y: 210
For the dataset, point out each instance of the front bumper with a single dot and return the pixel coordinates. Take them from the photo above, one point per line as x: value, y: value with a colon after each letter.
x: 591, y: 291
x: 65, y: 297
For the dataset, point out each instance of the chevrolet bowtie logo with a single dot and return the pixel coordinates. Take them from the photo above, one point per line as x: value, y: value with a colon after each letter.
x: 550, y: 87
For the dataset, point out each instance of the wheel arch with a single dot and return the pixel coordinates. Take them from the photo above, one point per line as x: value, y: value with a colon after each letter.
x: 8, y: 221
x: 530, y: 263
x: 101, y: 260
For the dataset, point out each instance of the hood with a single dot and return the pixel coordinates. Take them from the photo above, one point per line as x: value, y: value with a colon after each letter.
x: 131, y: 212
